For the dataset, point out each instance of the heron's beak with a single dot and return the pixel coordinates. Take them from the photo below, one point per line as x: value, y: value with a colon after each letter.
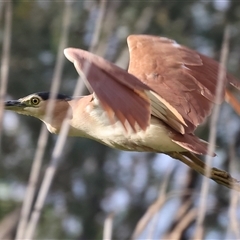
x: 14, y: 105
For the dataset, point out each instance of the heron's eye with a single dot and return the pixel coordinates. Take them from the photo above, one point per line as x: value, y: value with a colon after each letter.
x: 35, y: 101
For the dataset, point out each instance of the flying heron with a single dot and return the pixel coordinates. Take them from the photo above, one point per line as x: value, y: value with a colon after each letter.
x: 155, y: 106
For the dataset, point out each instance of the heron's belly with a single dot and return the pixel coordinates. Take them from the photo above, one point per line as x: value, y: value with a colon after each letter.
x: 154, y: 139
x: 99, y: 128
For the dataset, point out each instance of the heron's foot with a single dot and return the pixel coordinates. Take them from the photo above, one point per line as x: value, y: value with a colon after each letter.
x: 220, y: 173
x: 225, y: 179
x: 220, y: 176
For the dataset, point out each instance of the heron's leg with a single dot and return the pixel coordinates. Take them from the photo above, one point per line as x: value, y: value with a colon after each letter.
x: 197, y: 160
x: 194, y: 158
x: 219, y: 176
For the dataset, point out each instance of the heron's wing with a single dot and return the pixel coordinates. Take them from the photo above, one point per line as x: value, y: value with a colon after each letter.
x: 184, y: 81
x: 121, y: 94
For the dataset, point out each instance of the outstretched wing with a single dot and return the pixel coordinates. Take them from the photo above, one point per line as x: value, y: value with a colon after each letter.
x: 121, y: 94
x: 179, y: 82
x: 184, y: 81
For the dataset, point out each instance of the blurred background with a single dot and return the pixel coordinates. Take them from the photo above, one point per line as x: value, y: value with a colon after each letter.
x: 93, y: 182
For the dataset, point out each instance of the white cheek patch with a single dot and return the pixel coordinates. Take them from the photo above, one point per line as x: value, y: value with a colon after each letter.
x: 30, y: 111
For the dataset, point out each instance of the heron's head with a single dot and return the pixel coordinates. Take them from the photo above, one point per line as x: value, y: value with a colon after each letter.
x: 35, y: 105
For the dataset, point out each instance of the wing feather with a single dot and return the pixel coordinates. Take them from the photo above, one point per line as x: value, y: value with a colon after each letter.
x: 121, y: 94
x: 179, y: 83
x: 184, y: 81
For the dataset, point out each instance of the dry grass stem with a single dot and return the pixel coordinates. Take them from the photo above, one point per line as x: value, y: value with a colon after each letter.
x: 153, y: 209
x: 182, y: 225
x: 234, y: 198
x: 98, y: 26
x: 7, y: 34
x: 42, y: 141
x: 57, y: 152
x: 212, y: 137
x: 185, y: 206
x: 141, y: 25
x: 9, y: 223
x: 95, y: 41
x: 108, y: 227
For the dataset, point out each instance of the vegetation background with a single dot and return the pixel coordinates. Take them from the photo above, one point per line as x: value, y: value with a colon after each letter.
x: 92, y: 182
